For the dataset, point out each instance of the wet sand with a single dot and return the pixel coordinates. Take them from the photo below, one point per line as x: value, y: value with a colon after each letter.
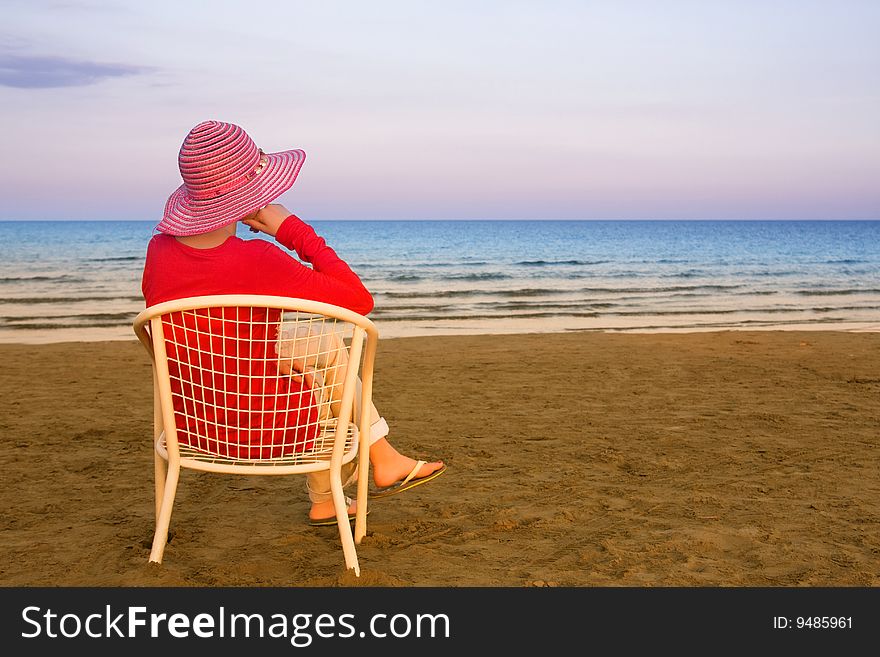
x: 575, y: 459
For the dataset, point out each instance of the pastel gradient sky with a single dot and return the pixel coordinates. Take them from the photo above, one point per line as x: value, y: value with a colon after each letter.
x: 746, y: 109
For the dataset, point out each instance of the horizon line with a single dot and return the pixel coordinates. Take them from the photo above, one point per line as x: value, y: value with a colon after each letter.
x: 4, y: 220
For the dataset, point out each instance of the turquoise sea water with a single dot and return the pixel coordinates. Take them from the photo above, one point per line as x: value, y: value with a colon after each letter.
x: 81, y: 280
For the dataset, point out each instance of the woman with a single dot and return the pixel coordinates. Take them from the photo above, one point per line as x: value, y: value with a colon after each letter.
x: 228, y: 180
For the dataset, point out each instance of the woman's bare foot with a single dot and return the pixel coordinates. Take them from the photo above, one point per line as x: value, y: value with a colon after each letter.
x: 390, y: 466
x: 324, y: 510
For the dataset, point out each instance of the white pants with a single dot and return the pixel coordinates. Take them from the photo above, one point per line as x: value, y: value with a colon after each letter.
x: 316, y: 351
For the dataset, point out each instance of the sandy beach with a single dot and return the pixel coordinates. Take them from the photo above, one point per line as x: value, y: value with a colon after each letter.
x: 575, y: 459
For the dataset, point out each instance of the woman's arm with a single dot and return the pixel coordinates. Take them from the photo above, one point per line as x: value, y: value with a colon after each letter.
x: 331, y: 280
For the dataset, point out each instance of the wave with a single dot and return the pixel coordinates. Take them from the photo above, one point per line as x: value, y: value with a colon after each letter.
x: 357, y: 266
x: 485, y: 276
x: 652, y: 326
x: 429, y: 295
x: 697, y: 290
x: 118, y: 259
x: 729, y: 311
x: 452, y: 294
x: 537, y: 314
x: 709, y: 325
x: 525, y: 310
x: 413, y: 278
x: 42, y: 326
x: 63, y: 300
x: 665, y: 288
x: 545, y: 263
x: 768, y: 274
x: 27, y: 279
x: 526, y: 305
x: 380, y: 311
x: 831, y: 309
x: 95, y: 320
x: 66, y: 320
x: 645, y: 273
x: 405, y: 278
x: 845, y: 291
x: 478, y: 316
x: 442, y: 265
x: 531, y: 292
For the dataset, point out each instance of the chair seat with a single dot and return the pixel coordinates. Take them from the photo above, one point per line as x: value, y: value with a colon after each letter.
x: 197, y: 459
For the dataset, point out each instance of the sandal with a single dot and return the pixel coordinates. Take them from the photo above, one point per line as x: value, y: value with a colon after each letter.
x: 410, y: 481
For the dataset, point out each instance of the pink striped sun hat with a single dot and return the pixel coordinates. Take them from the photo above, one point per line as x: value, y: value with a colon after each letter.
x: 225, y: 178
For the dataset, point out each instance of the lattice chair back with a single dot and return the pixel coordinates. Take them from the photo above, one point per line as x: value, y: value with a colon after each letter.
x: 250, y: 384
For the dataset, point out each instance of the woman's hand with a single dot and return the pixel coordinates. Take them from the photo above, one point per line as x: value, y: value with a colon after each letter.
x: 267, y: 220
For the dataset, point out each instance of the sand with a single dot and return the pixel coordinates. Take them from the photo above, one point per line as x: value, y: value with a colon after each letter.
x: 579, y: 459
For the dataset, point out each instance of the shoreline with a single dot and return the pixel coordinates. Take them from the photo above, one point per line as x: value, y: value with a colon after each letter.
x: 387, y: 331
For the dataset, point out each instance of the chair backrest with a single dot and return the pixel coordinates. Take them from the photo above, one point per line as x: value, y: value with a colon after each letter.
x: 249, y: 381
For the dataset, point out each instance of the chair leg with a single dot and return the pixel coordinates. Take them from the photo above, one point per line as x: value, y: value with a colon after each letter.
x: 360, y: 524
x: 161, y: 474
x: 348, y: 549
x: 163, y: 518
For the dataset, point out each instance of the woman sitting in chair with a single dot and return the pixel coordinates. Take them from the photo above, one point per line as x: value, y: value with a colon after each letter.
x: 227, y: 180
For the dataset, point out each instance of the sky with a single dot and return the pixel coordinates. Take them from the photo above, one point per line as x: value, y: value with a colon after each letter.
x: 703, y: 109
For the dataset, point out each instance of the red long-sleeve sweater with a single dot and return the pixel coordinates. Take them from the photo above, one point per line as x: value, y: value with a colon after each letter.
x: 175, y: 271
x: 226, y: 410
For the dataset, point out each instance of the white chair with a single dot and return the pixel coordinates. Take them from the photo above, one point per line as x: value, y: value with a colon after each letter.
x: 250, y: 384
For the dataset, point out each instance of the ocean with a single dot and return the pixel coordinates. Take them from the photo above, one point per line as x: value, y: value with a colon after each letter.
x: 80, y: 280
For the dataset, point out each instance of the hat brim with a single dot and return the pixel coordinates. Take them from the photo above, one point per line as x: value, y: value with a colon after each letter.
x: 185, y: 215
